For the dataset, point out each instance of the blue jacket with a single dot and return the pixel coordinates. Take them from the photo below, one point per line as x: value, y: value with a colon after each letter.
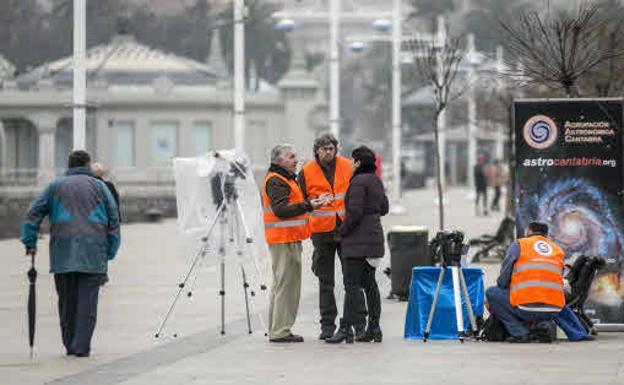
x: 84, y: 225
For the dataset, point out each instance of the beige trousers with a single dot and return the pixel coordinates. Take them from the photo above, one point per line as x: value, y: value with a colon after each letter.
x: 286, y: 290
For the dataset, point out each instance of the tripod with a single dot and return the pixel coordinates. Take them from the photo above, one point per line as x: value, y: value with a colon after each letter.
x: 231, y: 219
x: 457, y: 275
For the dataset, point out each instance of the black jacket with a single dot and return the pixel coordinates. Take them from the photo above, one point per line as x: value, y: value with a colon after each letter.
x: 278, y: 193
x: 366, y: 202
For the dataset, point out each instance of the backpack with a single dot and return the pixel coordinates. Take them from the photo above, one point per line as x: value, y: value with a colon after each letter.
x: 493, y: 330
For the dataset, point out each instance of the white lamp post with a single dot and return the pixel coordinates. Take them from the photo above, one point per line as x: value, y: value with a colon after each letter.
x: 239, y: 76
x: 334, y: 68
x: 79, y: 76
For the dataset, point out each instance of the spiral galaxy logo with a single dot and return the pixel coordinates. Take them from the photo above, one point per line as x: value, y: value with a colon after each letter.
x: 540, y: 132
x: 542, y: 248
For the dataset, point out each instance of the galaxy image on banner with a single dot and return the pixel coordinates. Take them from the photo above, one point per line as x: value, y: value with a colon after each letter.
x: 569, y: 175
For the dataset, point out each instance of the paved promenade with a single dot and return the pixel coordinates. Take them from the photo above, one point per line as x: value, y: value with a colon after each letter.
x: 144, y: 279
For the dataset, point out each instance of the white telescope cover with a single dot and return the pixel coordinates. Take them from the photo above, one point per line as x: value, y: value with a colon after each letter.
x: 194, y: 179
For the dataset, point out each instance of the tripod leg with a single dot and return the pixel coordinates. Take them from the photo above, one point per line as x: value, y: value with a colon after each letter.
x: 249, y: 242
x: 245, y: 288
x: 222, y: 294
x: 433, y: 304
x: 251, y: 250
x: 471, y: 316
x: 459, y: 316
x: 200, y: 254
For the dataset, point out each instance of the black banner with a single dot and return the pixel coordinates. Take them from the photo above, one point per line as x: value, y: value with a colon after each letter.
x: 569, y: 175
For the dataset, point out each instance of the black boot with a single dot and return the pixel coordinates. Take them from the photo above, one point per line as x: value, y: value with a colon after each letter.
x: 343, y: 334
x: 373, y: 333
x: 360, y: 331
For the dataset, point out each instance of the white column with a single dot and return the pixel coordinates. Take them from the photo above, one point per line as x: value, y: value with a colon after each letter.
x: 46, y: 129
x: 80, y: 76
x: 239, y: 76
x: 471, y: 134
x: 397, y: 32
x: 334, y: 68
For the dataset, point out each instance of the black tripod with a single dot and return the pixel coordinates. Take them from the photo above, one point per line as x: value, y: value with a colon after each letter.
x: 231, y: 219
x: 451, y: 257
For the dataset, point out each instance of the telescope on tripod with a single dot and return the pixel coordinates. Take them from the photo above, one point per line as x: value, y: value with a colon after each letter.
x: 215, y: 194
x: 448, y: 248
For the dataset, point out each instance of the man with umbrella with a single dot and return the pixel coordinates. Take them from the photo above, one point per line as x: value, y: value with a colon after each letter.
x: 84, y: 236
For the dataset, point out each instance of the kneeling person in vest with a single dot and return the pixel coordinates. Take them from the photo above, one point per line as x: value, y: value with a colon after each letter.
x: 530, y: 285
x: 285, y: 226
x: 328, y: 175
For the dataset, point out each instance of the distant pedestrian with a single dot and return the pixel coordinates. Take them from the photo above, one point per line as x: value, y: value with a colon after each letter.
x: 84, y: 236
x: 480, y: 181
x: 499, y: 179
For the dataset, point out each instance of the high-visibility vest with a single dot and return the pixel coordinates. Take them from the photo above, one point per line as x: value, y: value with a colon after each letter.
x: 323, y: 219
x: 278, y: 230
x: 537, y: 276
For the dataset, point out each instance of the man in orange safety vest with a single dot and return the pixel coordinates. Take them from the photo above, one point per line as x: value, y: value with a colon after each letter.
x: 530, y: 284
x: 327, y: 177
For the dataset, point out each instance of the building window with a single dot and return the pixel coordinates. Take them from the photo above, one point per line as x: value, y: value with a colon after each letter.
x: 122, y: 146
x: 163, y: 143
x: 202, y: 138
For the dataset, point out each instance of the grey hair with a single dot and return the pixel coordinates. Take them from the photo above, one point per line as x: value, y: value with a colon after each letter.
x: 278, y: 151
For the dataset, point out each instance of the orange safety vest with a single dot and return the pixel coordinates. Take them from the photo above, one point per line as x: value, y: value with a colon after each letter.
x: 323, y: 219
x: 278, y: 230
x: 538, y: 273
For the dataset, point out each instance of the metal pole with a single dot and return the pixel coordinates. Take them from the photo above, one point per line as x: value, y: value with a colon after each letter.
x: 239, y: 76
x: 396, y: 99
x: 334, y: 68
x: 472, y: 113
x: 80, y: 75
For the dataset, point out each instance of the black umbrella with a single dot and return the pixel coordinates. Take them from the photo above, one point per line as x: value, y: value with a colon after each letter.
x: 32, y: 307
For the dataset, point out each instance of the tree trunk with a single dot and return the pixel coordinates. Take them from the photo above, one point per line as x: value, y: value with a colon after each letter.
x: 436, y: 157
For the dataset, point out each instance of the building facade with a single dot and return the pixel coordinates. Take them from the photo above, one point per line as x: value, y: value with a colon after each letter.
x: 145, y: 107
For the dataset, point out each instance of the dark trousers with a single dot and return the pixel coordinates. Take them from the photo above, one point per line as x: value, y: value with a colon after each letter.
x: 358, y: 276
x: 482, y: 195
x: 512, y: 317
x: 77, y: 306
x: 323, y: 262
x: 495, y: 201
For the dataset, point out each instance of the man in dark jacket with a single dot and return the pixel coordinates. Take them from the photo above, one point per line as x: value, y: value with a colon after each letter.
x: 328, y: 174
x: 84, y: 236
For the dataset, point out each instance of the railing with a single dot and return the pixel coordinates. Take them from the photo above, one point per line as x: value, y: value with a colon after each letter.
x: 18, y: 177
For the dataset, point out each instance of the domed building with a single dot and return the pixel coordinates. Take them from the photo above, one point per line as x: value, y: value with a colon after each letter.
x: 144, y: 107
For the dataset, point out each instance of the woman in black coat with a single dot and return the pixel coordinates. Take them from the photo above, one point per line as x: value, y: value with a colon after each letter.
x: 362, y: 245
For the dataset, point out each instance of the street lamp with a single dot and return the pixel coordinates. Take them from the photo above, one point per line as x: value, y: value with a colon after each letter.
x: 79, y: 73
x: 357, y: 46
x: 382, y: 25
x: 239, y: 76
x: 378, y: 24
x: 285, y: 25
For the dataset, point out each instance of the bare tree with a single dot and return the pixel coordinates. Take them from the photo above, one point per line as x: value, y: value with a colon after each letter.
x: 557, y: 51
x: 438, y: 65
x: 607, y: 78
